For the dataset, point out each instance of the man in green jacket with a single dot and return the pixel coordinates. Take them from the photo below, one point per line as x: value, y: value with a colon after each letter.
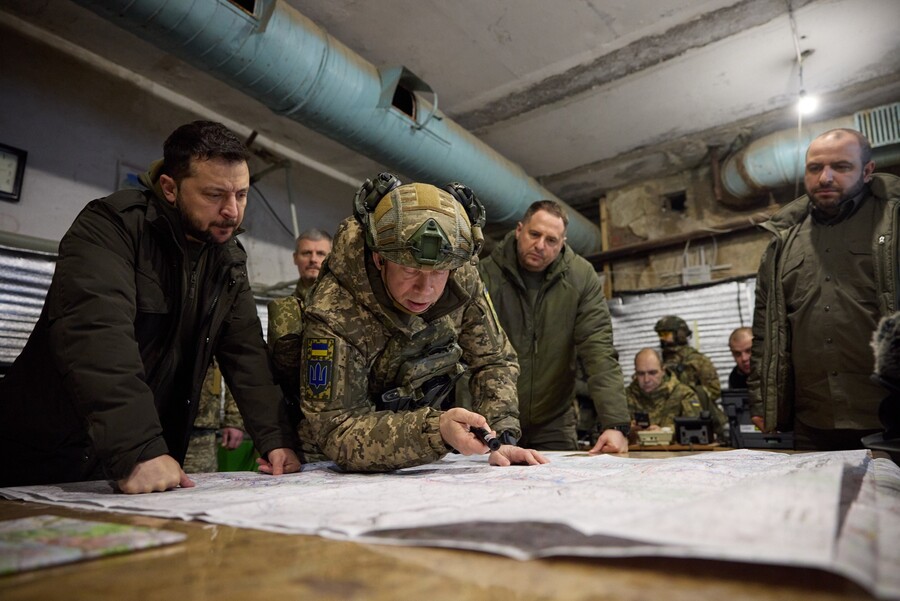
x: 550, y: 303
x: 827, y: 277
x: 150, y: 285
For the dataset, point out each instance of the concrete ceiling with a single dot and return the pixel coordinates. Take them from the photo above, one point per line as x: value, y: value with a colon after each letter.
x: 585, y: 95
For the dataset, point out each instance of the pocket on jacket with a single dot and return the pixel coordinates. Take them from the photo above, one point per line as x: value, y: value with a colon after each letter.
x: 798, y: 280
x: 861, y: 278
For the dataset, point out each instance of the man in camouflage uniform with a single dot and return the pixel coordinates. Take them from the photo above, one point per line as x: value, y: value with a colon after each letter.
x: 396, y: 316
x: 659, y: 394
x: 285, y: 332
x: 202, y: 454
x: 313, y: 247
x: 691, y: 367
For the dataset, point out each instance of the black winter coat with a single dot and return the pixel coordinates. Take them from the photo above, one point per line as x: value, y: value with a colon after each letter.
x: 107, y: 378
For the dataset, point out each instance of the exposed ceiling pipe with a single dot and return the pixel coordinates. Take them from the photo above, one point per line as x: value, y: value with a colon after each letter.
x: 779, y: 159
x: 773, y: 161
x: 291, y: 65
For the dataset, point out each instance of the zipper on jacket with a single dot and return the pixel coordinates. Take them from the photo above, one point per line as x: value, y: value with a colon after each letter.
x: 192, y: 289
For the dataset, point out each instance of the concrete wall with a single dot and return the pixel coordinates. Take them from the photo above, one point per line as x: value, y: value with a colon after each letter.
x: 642, y: 212
x: 83, y: 129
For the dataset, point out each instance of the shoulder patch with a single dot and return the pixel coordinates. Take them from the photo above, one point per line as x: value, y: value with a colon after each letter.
x: 319, y: 367
x: 490, y: 304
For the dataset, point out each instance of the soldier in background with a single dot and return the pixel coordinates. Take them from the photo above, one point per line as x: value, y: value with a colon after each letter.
x: 285, y: 331
x: 396, y: 316
x: 313, y: 247
x: 691, y: 367
x: 202, y: 454
x: 739, y: 343
x: 658, y: 393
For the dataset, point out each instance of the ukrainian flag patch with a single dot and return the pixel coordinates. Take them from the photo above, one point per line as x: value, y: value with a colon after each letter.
x: 319, y: 367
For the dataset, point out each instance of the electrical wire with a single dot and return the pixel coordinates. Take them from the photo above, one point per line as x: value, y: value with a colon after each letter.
x: 796, y: 38
x: 272, y: 211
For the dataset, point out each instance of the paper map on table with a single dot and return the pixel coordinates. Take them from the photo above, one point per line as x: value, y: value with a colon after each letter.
x: 46, y: 540
x: 838, y: 511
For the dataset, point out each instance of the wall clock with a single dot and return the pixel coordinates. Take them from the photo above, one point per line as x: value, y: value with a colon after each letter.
x: 12, y: 171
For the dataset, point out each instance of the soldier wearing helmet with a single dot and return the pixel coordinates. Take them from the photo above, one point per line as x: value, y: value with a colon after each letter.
x: 397, y: 316
x: 691, y: 366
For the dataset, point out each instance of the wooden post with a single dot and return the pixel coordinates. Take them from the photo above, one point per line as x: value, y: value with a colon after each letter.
x: 604, y: 245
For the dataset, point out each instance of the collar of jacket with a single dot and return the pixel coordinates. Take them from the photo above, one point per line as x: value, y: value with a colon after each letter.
x: 363, y: 281
x: 663, y: 391
x: 678, y: 353
x: 506, y: 256
x: 883, y: 187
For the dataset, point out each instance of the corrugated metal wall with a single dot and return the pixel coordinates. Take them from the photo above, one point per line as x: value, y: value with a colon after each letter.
x: 711, y: 311
x: 24, y: 278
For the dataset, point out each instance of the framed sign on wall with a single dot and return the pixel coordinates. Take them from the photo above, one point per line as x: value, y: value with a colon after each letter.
x: 12, y: 171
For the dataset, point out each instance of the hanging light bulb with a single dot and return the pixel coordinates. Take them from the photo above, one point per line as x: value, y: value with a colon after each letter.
x: 807, y: 104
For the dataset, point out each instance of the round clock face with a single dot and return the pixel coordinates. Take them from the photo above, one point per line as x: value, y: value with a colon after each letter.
x: 9, y: 165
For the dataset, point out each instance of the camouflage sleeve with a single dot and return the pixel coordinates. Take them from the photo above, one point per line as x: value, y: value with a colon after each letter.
x: 210, y: 400
x: 232, y: 415
x: 709, y: 377
x: 335, y: 400
x: 493, y: 364
x: 285, y: 334
x: 688, y: 401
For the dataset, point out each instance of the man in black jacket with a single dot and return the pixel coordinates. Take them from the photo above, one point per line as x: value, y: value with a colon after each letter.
x: 150, y: 285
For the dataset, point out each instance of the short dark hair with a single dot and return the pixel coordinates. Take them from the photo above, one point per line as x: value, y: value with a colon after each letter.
x: 201, y: 141
x: 865, y: 148
x: 551, y: 206
x: 314, y: 234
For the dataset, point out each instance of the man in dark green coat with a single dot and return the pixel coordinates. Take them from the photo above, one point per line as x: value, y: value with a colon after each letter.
x: 550, y: 303
x: 827, y: 277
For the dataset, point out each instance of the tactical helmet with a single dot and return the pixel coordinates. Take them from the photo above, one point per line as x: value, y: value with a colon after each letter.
x: 673, y: 323
x: 419, y: 225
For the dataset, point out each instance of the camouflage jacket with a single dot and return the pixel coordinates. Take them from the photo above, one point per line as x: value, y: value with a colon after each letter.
x: 285, y: 337
x: 356, y: 343
x: 672, y: 399
x: 694, y: 369
x: 209, y: 415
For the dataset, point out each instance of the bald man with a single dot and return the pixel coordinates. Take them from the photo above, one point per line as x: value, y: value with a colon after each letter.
x: 658, y: 393
x: 740, y: 343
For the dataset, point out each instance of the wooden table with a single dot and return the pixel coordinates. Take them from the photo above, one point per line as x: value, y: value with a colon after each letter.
x: 220, y: 563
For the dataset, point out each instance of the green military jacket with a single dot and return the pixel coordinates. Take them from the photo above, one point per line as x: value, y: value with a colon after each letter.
x: 672, y: 399
x: 355, y: 347
x: 570, y: 319
x: 771, y: 380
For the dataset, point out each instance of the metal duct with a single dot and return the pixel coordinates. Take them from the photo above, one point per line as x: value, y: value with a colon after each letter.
x: 284, y: 60
x: 779, y: 159
x: 773, y: 161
